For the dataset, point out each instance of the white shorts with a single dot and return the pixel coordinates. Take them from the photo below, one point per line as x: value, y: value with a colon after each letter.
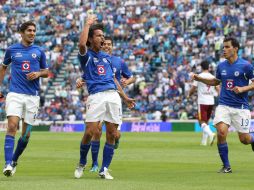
x: 240, y: 119
x: 22, y: 105
x: 104, y: 106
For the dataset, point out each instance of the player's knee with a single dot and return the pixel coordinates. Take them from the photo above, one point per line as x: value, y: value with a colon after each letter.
x: 12, y: 127
x: 222, y: 133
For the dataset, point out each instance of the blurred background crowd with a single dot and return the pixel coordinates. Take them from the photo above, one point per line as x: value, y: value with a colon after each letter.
x: 162, y: 41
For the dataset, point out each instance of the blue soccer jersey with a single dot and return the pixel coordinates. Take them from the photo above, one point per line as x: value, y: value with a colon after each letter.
x: 237, y: 74
x: 24, y: 60
x: 97, y: 71
x: 120, y: 68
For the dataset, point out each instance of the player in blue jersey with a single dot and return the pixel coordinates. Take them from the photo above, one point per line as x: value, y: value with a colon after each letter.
x: 124, y: 77
x: 233, y: 75
x: 103, y: 103
x: 28, y: 64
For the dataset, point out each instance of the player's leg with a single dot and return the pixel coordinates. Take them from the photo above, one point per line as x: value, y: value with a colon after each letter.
x: 13, y: 122
x: 95, y: 146
x: 108, y: 150
x: 21, y: 145
x: 117, y: 137
x: 112, y: 118
x: 14, y: 110
x: 212, y: 136
x: 222, y: 122
x: 242, y: 120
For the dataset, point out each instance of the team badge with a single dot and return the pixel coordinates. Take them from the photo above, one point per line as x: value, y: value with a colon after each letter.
x: 95, y: 60
x: 101, y: 70
x: 236, y: 73
x: 229, y: 84
x: 25, y: 66
x: 34, y: 55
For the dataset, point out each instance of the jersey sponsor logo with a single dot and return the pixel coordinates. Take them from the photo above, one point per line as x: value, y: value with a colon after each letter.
x: 101, y: 70
x: 95, y: 60
x: 236, y: 73
x: 34, y: 55
x: 25, y: 66
x: 224, y: 72
x: 18, y: 54
x: 229, y: 84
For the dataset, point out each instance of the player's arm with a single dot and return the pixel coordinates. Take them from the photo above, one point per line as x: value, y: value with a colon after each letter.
x: 80, y: 82
x: 208, y: 81
x: 84, y: 34
x: 238, y: 89
x: 125, y: 82
x: 3, y: 69
x: 34, y: 75
x: 192, y: 90
x: 128, y: 101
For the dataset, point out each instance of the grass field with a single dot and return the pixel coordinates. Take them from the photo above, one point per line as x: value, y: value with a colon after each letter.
x: 144, y: 161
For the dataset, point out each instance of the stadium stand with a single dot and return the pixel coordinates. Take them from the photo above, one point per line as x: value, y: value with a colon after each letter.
x: 161, y: 40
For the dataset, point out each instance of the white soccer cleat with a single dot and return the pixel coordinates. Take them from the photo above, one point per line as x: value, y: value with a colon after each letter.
x: 79, y: 171
x: 212, y: 139
x: 7, y: 171
x: 14, y: 167
x: 105, y: 174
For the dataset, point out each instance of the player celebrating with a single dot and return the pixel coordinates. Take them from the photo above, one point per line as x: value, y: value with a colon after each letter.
x: 205, y: 103
x: 233, y: 74
x: 123, y: 76
x: 28, y: 64
x: 103, y: 103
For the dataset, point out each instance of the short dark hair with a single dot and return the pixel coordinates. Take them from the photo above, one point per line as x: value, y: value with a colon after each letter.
x: 97, y: 26
x: 25, y: 25
x: 109, y: 38
x: 233, y: 41
x: 205, y: 65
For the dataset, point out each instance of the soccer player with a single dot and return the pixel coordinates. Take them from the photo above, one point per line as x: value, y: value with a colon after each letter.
x: 28, y: 64
x: 103, y: 103
x: 205, y: 103
x: 234, y: 75
x: 124, y: 77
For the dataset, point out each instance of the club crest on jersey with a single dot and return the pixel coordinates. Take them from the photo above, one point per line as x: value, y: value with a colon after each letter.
x: 34, y: 55
x: 25, y: 66
x: 229, y: 84
x: 236, y: 73
x: 101, y: 70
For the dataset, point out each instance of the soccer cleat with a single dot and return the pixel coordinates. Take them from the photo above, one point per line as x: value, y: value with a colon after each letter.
x: 95, y: 168
x: 79, y: 171
x: 14, y: 167
x: 203, y: 144
x: 225, y: 170
x: 116, y: 144
x: 212, y: 139
x: 7, y: 171
x: 105, y: 174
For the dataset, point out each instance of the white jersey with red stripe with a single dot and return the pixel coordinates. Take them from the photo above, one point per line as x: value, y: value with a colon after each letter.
x: 206, y: 93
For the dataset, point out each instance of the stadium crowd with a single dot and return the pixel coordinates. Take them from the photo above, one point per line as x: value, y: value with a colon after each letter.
x: 162, y: 41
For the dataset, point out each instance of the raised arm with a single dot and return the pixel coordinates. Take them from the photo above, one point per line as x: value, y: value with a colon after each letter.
x: 91, y: 19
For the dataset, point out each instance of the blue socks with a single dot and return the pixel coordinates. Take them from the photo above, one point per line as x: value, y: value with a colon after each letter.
x: 8, y: 148
x: 108, y: 153
x: 95, y: 146
x: 223, y: 151
x: 84, y: 148
x: 20, y: 148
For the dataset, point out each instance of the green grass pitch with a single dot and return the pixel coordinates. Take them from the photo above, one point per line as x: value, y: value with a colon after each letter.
x: 144, y: 161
